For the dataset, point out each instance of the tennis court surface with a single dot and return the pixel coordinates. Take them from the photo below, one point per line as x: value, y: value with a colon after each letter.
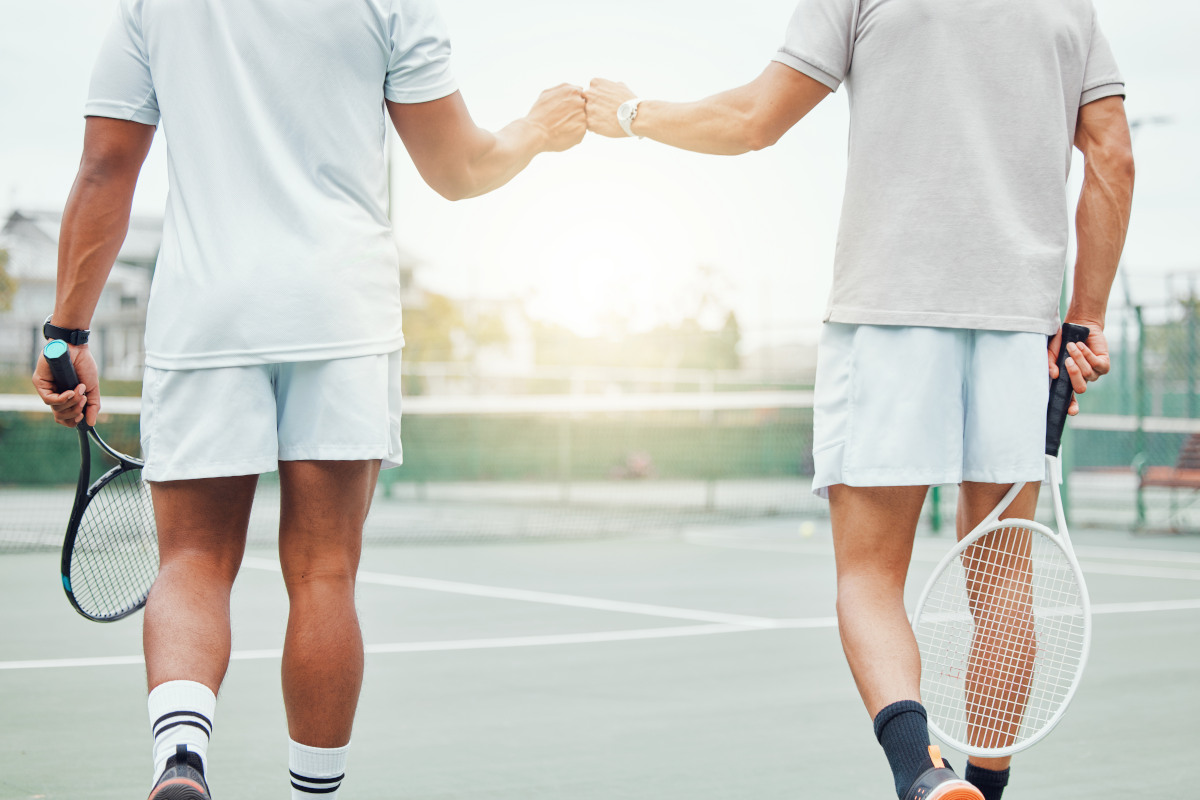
x: 702, y: 662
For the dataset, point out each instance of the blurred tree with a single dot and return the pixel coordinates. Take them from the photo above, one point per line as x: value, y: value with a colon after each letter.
x: 8, y: 284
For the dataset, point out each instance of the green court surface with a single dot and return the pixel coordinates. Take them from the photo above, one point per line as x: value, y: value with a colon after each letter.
x: 702, y: 664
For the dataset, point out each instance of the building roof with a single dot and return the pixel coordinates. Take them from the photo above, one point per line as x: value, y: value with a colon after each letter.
x: 39, y: 230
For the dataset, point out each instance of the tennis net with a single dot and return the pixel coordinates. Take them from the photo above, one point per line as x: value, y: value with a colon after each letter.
x: 516, y: 467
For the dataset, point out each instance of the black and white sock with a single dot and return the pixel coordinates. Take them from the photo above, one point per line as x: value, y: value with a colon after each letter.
x: 181, y: 713
x: 989, y: 781
x: 903, y: 731
x: 316, y: 771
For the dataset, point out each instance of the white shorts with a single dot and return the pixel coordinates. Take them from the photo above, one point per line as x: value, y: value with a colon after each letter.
x: 912, y: 406
x: 212, y: 423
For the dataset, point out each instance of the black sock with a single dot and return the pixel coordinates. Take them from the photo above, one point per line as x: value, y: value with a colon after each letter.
x: 989, y: 781
x: 903, y: 730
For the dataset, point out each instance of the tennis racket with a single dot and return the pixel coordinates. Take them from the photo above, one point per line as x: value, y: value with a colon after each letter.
x: 110, y: 552
x: 1004, y: 624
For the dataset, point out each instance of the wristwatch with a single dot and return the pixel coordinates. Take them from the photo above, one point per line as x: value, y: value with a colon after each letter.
x: 626, y: 114
x: 68, y: 335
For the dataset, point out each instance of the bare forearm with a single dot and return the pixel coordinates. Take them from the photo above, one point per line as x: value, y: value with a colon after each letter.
x: 499, y: 157
x: 1101, y: 222
x: 94, y: 225
x: 749, y: 117
x: 725, y: 124
x: 458, y: 159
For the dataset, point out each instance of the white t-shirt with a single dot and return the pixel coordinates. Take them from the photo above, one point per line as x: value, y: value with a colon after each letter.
x: 276, y: 241
x: 962, y: 118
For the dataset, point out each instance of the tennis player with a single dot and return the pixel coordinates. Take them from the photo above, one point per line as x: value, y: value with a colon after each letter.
x: 273, y: 335
x: 950, y: 257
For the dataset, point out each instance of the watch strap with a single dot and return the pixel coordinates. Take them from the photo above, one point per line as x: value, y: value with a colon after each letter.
x: 626, y: 123
x: 73, y: 336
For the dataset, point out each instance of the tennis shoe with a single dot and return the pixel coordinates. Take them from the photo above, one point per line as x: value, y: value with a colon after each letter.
x: 183, y: 778
x: 940, y: 783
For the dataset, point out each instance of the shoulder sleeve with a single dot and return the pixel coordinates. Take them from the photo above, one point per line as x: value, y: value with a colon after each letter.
x: 121, y: 84
x: 1101, y: 78
x: 820, y: 40
x: 419, y: 66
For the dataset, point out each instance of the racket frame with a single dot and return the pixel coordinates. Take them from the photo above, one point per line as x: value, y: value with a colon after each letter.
x: 85, y: 491
x: 1062, y: 541
x: 58, y: 358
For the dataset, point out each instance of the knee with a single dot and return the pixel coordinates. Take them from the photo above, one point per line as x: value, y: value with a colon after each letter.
x: 211, y: 568
x: 330, y: 575
x: 866, y: 592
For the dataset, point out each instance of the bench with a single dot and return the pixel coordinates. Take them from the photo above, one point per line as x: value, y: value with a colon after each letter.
x: 1184, y: 475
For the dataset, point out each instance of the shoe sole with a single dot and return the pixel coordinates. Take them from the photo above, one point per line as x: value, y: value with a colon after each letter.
x: 951, y: 790
x: 179, y: 789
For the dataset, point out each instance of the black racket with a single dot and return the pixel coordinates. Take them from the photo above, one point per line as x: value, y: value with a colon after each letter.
x: 110, y: 552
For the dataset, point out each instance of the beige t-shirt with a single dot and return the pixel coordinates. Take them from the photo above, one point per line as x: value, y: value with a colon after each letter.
x: 962, y: 118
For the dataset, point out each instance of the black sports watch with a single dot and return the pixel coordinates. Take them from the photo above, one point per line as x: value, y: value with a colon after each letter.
x: 68, y: 335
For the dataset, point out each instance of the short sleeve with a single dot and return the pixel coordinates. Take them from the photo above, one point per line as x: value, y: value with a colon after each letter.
x: 1101, y: 78
x: 419, y: 66
x: 121, y: 84
x: 820, y: 40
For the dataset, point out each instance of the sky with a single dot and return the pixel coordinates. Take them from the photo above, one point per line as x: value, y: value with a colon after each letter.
x: 624, y: 225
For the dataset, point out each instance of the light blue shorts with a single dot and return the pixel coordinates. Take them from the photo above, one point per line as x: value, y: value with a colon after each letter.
x: 911, y: 406
x: 221, y: 422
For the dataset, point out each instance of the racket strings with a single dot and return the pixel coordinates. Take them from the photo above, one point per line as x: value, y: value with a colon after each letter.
x: 1001, y: 634
x: 114, y: 560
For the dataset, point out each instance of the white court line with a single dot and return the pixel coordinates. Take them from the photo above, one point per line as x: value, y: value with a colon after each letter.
x: 641, y: 634
x: 1146, y: 607
x: 549, y: 598
x: 926, y: 553
x: 1133, y: 571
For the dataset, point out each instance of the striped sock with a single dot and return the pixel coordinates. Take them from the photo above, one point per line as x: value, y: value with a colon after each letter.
x: 316, y: 771
x: 181, y: 713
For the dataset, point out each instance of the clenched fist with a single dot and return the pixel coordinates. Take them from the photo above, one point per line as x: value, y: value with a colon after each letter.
x: 604, y: 97
x: 560, y: 113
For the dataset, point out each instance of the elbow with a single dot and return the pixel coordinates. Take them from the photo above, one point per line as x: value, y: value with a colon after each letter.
x: 453, y: 193
x: 452, y: 186
x: 759, y: 132
x: 1124, y: 166
x: 1115, y: 162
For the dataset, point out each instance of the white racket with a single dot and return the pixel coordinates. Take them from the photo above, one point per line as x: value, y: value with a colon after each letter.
x: 1004, y: 624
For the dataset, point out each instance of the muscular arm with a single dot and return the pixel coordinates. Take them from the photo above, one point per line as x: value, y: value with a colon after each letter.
x: 749, y: 117
x: 94, y: 224
x: 458, y: 159
x: 1102, y: 218
x: 1101, y: 221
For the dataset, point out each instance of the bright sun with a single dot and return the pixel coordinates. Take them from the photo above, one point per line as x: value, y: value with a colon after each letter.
x: 593, y: 251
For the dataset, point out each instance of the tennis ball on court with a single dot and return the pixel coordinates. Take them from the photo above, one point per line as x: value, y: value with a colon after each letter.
x: 807, y: 529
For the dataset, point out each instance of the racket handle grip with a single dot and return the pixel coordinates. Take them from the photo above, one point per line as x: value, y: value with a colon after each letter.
x: 1060, y: 389
x: 58, y: 356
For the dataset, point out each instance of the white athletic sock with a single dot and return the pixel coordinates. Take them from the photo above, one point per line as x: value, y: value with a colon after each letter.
x: 316, y: 772
x: 181, y: 712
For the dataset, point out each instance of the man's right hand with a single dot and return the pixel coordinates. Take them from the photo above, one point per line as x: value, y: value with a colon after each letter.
x: 80, y: 402
x: 560, y: 113
x: 1086, y: 361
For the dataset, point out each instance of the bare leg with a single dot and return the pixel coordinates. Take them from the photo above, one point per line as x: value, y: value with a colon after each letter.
x: 873, y: 530
x: 323, y: 507
x: 976, y: 500
x: 201, y: 538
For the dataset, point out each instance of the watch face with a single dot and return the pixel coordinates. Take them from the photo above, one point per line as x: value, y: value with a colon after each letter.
x: 625, y: 111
